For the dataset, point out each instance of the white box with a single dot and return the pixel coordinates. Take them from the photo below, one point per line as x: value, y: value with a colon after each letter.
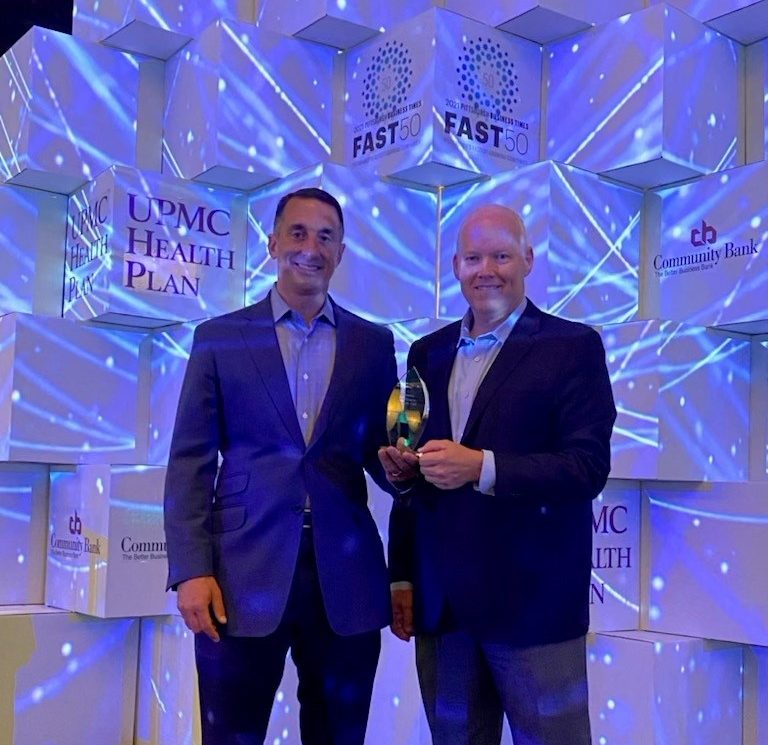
x: 31, y: 225
x: 72, y: 111
x: 716, y: 590
x: 157, y: 28
x: 442, y: 99
x: 65, y: 678
x: 23, y: 516
x: 710, y: 266
x: 246, y: 106
x: 683, y: 400
x: 106, y: 543
x: 658, y: 689
x: 665, y: 108
x: 543, y: 21
x: 743, y: 20
x: 614, y: 593
x: 144, y: 250
x: 339, y: 24
x: 72, y: 393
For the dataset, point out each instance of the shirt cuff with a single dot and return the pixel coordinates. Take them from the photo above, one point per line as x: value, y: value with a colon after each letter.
x: 487, y: 482
x: 400, y: 586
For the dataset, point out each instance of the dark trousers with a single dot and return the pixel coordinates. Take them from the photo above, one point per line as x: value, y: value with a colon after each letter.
x: 239, y: 676
x: 468, y: 685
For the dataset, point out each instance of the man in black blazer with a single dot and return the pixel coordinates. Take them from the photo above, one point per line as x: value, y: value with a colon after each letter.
x: 271, y: 545
x: 490, y: 542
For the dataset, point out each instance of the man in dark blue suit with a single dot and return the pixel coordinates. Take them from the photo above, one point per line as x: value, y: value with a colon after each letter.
x: 271, y: 545
x: 490, y: 543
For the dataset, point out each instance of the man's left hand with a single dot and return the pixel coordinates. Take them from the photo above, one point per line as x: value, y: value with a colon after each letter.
x: 449, y: 465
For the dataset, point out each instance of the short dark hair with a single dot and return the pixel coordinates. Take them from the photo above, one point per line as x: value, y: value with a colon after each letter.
x: 310, y: 192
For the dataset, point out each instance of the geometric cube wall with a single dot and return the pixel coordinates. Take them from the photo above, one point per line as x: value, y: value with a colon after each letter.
x: 585, y: 120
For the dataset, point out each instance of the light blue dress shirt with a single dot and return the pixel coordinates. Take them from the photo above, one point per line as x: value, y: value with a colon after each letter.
x: 308, y: 352
x: 474, y: 358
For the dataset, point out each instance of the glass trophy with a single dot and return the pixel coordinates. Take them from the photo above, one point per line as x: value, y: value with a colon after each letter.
x: 407, y: 410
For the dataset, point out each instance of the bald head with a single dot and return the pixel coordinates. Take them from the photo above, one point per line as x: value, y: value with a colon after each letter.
x: 493, y: 258
x: 498, y: 218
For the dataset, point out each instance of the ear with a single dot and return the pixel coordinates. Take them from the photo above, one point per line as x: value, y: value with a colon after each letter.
x: 528, y: 257
x: 341, y: 253
x: 271, y: 245
x: 455, y: 264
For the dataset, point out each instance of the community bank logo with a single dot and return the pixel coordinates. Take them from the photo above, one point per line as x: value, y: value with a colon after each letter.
x: 74, y: 546
x: 75, y: 524
x: 486, y: 77
x: 703, y: 235
x: 708, y: 254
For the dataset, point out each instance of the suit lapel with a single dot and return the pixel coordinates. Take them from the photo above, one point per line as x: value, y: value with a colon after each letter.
x: 517, y: 345
x: 440, y: 363
x: 261, y: 341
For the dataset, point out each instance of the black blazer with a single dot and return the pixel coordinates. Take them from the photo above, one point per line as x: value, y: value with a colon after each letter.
x: 515, y: 566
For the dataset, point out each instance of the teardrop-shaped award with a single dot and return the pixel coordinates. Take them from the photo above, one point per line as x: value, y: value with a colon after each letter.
x: 407, y: 410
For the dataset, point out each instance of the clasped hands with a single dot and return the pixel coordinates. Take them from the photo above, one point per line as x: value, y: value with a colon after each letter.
x: 444, y: 463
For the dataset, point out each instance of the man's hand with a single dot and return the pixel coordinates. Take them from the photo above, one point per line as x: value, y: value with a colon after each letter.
x: 197, y: 599
x: 402, y: 614
x: 448, y: 465
x: 400, y: 464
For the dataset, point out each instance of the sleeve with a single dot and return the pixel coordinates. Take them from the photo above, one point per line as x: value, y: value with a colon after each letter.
x: 386, y: 375
x: 578, y: 464
x: 192, y: 466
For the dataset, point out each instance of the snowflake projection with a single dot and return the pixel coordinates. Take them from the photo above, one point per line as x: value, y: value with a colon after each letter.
x: 387, y: 79
x: 487, y: 76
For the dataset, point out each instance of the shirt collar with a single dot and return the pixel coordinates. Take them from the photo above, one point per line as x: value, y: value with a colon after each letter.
x: 498, y: 334
x: 281, y: 309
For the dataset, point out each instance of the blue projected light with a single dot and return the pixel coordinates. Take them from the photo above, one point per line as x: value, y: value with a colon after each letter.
x: 609, y: 112
x: 71, y: 392
x: 272, y: 101
x: 706, y: 544
x: 585, y: 233
x: 170, y: 353
x: 23, y: 513
x: 672, y: 384
x: 653, y: 687
x: 62, y: 90
x: 53, y: 662
x: 389, y: 235
x: 32, y: 223
x: 154, y: 27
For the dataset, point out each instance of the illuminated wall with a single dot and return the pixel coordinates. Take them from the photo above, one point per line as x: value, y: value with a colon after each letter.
x: 141, y: 161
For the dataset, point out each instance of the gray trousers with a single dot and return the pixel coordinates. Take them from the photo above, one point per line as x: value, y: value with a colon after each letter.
x: 468, y: 686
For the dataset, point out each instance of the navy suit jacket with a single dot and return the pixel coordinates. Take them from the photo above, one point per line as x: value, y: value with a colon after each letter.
x: 513, y: 566
x: 241, y: 521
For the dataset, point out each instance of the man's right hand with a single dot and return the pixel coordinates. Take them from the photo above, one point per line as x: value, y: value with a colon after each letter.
x: 200, y: 602
x: 402, y: 614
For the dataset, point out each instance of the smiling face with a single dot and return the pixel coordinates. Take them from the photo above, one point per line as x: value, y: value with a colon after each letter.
x: 307, y: 245
x: 492, y: 260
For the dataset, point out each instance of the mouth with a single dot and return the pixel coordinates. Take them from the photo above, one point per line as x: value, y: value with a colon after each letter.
x: 307, y: 266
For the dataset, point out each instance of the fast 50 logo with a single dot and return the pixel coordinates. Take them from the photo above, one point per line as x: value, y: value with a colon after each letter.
x: 488, y: 88
x: 387, y: 82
